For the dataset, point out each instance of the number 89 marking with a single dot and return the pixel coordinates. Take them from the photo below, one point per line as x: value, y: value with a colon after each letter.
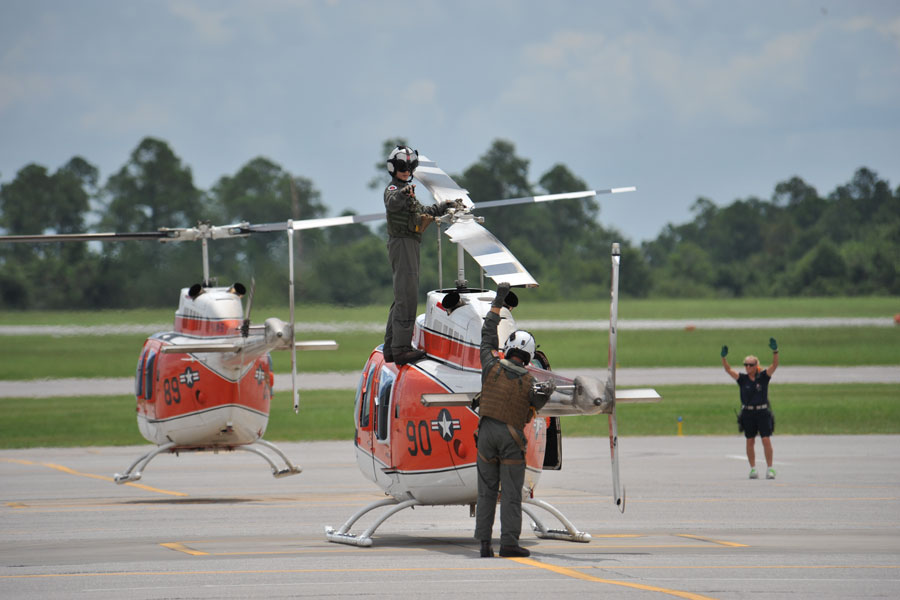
x: 171, y: 391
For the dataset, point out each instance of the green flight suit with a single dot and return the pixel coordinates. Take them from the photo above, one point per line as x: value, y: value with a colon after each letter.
x: 502, y: 444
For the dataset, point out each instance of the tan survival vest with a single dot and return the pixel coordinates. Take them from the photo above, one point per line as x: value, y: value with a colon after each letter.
x: 504, y: 399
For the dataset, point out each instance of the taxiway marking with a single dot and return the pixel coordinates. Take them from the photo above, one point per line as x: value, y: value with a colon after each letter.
x: 584, y: 576
x: 92, y: 476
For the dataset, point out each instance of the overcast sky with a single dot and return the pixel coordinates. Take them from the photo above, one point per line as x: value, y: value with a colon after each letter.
x: 689, y: 98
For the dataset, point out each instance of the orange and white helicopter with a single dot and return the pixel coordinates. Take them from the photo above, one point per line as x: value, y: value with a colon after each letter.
x: 415, y: 424
x: 207, y: 384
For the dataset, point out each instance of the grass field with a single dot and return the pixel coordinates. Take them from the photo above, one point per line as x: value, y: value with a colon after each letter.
x: 327, y: 415
x: 637, y: 308
x: 37, y: 357
x: 705, y: 410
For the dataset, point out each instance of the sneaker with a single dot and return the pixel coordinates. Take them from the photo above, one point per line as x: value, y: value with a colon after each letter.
x: 770, y: 474
x: 754, y: 474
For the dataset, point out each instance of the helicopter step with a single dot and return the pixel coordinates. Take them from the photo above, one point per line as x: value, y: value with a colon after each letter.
x: 343, y: 535
x: 570, y: 534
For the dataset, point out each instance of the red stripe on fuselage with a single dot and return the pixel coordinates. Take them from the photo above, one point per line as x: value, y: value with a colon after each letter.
x: 206, y: 327
x: 448, y: 349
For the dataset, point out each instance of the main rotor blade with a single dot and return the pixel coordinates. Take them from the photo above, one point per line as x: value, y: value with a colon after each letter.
x: 439, y: 184
x: 552, y: 197
x: 316, y: 223
x: 497, y: 261
x: 88, y: 237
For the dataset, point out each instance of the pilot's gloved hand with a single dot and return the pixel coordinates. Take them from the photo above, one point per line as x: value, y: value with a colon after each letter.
x: 409, y: 190
x: 502, y: 291
x: 724, y: 351
x: 545, y: 388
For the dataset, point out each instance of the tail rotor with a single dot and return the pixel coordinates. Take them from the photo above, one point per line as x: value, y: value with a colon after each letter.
x: 618, y: 489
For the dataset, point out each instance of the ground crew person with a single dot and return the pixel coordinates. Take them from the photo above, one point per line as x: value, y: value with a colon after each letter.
x: 756, y: 414
x: 509, y: 399
x: 406, y: 219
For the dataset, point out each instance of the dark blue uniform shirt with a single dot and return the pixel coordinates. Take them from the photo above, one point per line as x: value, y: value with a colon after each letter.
x: 754, y: 392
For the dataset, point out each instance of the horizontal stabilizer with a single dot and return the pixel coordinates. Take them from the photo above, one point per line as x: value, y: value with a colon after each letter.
x: 459, y: 399
x: 200, y: 347
x: 317, y: 345
x: 637, y: 396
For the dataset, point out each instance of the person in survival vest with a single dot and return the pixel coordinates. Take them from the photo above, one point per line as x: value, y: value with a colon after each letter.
x: 509, y: 399
x: 406, y: 220
x: 756, y: 415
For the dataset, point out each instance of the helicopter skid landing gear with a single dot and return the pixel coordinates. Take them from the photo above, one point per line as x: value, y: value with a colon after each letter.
x: 132, y: 475
x: 290, y: 468
x: 342, y: 535
x: 570, y: 534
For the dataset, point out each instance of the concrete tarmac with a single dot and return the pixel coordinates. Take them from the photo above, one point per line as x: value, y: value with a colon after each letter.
x: 219, y: 526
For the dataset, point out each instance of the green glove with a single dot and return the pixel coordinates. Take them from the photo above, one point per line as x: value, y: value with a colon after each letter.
x: 773, y: 344
x: 502, y: 291
x: 724, y: 351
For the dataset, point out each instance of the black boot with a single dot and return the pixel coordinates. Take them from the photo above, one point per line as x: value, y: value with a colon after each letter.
x: 408, y: 356
x: 486, y: 550
x: 514, y: 551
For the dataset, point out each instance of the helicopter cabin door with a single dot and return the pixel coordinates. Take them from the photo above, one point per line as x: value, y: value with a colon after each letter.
x: 365, y: 402
x: 383, y: 410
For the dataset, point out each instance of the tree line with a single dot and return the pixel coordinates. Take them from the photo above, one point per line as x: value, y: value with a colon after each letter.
x: 794, y: 243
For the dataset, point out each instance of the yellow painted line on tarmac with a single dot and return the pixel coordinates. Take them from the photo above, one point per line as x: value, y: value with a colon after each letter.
x: 105, y: 478
x: 497, y: 567
x: 179, y: 547
x: 185, y: 548
x: 585, y: 577
x: 719, y: 542
x: 744, y: 567
x: 92, y: 475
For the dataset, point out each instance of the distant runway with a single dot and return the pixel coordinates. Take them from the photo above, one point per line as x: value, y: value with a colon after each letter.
x: 633, y: 377
x: 219, y: 526
x: 531, y: 325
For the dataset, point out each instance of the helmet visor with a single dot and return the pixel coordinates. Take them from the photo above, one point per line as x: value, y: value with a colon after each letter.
x: 401, y: 165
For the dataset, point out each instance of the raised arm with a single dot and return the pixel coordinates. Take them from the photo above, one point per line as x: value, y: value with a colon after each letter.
x: 728, y: 369
x: 489, y: 341
x: 774, y: 346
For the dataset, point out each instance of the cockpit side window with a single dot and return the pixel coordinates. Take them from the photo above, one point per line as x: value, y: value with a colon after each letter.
x: 364, y: 398
x: 383, y: 408
x: 148, y: 375
x: 139, y: 375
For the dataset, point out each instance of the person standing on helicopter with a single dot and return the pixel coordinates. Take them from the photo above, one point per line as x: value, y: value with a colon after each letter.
x: 406, y: 220
x: 509, y: 399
